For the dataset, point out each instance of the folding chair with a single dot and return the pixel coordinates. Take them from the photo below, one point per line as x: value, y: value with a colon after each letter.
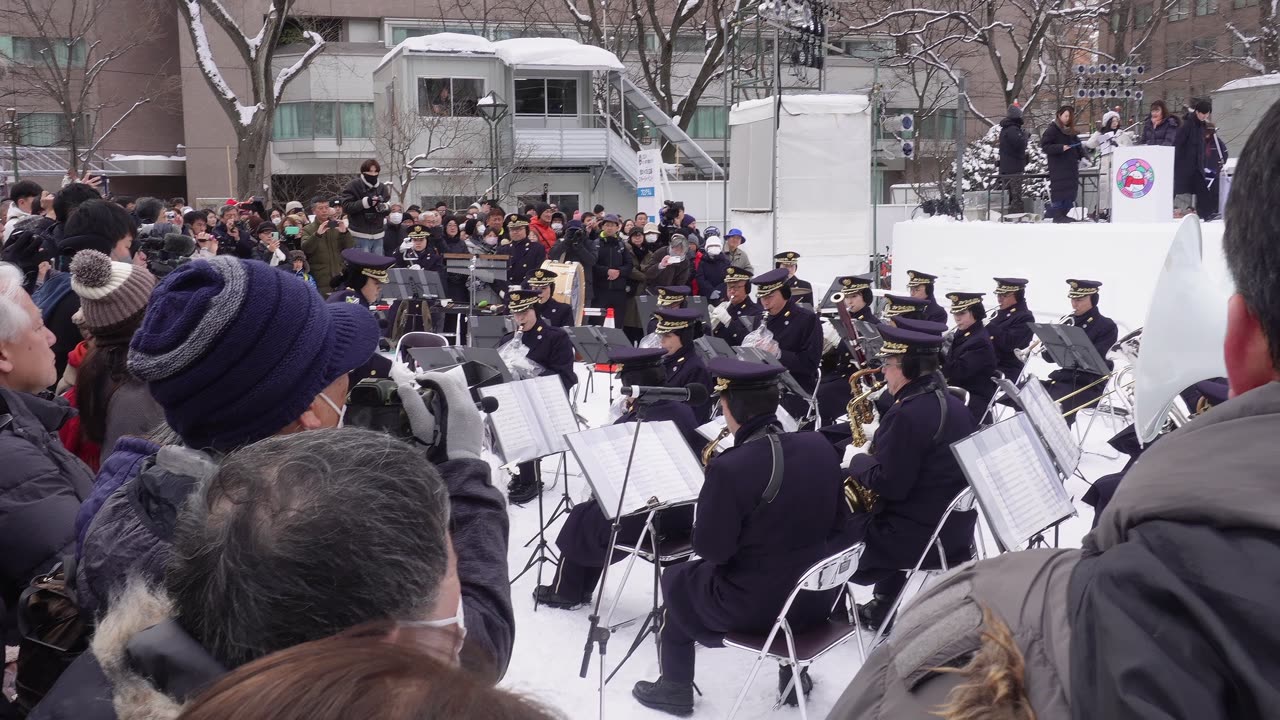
x: 799, y: 650
x: 963, y: 502
x: 418, y: 340
x: 661, y: 551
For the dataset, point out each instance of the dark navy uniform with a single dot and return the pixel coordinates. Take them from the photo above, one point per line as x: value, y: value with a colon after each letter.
x: 359, y: 267
x: 418, y: 315
x: 523, y: 257
x: 669, y: 296
x: 933, y: 312
x: 685, y: 366
x: 798, y: 333
x: 755, y: 534
x: 735, y: 330
x: 971, y: 360
x: 911, y: 467
x: 834, y: 392
x: 801, y: 290
x: 1102, y: 332
x: 903, y: 306
x: 1011, y: 328
x: 552, y: 311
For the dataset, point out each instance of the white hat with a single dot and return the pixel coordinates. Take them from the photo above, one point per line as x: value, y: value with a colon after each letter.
x: 714, y: 241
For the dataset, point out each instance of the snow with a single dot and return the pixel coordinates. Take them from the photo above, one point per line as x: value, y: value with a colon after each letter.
x: 816, y: 104
x: 456, y: 43
x: 204, y: 56
x: 247, y: 112
x: 117, y: 157
x: 552, y: 53
x: 1251, y: 82
x: 287, y: 74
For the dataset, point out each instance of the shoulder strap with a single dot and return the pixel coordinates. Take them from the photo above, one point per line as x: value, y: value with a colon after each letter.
x: 5, y: 417
x: 942, y: 414
x: 775, y: 473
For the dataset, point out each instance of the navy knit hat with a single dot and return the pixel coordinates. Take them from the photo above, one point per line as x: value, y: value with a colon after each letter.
x: 234, y: 351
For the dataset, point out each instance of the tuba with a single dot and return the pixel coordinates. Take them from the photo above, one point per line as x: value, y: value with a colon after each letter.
x: 709, y: 451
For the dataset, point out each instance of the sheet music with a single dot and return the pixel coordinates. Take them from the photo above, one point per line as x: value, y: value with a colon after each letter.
x: 1046, y: 417
x: 532, y: 418
x: 663, y: 469
x: 1014, y: 479
x: 557, y: 418
x: 516, y: 440
x: 711, y: 430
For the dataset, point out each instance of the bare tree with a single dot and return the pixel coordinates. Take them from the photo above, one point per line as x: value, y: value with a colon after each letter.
x: 251, y: 120
x: 64, y: 56
x: 408, y: 141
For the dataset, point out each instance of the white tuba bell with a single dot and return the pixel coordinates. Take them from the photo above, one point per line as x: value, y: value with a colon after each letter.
x: 1181, y: 341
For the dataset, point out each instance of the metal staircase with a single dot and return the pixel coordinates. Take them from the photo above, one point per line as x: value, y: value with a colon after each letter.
x: 689, y: 149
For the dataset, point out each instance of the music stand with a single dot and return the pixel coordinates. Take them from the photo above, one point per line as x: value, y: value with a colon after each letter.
x: 486, y: 331
x: 645, y: 305
x: 1046, y: 418
x: 711, y: 347
x: 789, y: 383
x: 699, y: 303
x: 1070, y: 348
x: 593, y: 344
x: 483, y: 366
x: 412, y: 283
x: 868, y: 337
x: 485, y: 275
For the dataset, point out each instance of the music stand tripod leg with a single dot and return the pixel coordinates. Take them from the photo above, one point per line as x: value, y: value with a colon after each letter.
x: 652, y: 621
x: 542, y: 552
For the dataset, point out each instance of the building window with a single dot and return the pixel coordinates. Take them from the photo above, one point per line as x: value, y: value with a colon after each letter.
x: 50, y: 130
x: 938, y: 125
x: 865, y: 48
x: 1180, y: 10
x: 32, y: 50
x: 455, y: 202
x: 449, y: 96
x: 357, y: 119
x: 1143, y: 14
x: 1245, y: 3
x: 320, y: 120
x: 1175, y: 53
x: 1206, y: 7
x: 707, y: 123
x: 1205, y: 47
x: 1241, y: 49
x: 546, y: 96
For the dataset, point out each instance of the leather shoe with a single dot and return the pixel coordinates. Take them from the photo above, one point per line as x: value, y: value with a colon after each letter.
x: 521, y: 491
x: 665, y: 695
x: 547, y: 595
x: 784, y: 678
x: 872, y: 614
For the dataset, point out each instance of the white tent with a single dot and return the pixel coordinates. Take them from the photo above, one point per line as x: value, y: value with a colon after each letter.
x: 823, y: 176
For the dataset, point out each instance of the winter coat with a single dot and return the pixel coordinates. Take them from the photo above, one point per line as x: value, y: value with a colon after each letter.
x: 324, y: 253
x: 228, y: 244
x: 710, y: 276
x: 582, y: 251
x: 612, y: 254
x: 57, y: 305
x: 41, y: 489
x: 121, y: 465
x: 393, y: 237
x: 130, y: 412
x: 636, y: 283
x: 1189, y: 156
x: 1064, y: 164
x: 145, y: 663
x: 359, y: 201
x: 12, y: 217
x: 738, y: 258
x: 1166, y: 134
x: 542, y: 233
x: 674, y: 274
x: 1013, y: 146
x: 970, y: 364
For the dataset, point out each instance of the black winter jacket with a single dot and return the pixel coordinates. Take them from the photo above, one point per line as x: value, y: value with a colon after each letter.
x: 1188, y: 156
x: 364, y: 221
x: 1166, y: 134
x: 1013, y: 146
x: 1064, y: 162
x: 612, y: 254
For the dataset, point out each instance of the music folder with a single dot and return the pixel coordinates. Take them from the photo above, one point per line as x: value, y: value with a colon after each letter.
x: 1014, y: 480
x: 711, y: 347
x: 664, y: 470
x: 486, y: 331
x: 1070, y: 348
x: 1046, y: 417
x: 483, y: 366
x: 711, y: 429
x: 532, y: 418
x: 489, y: 275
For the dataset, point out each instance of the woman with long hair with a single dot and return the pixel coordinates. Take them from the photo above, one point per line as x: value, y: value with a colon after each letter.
x: 1064, y: 152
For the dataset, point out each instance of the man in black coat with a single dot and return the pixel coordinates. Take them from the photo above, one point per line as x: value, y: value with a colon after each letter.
x: 612, y: 270
x: 523, y: 254
x: 922, y: 287
x: 796, y: 331
x: 577, y: 246
x: 367, y: 204
x: 766, y: 512
x: 1013, y: 155
x: 1010, y: 329
x: 727, y: 318
x: 971, y: 360
x: 584, y: 538
x: 801, y: 290
x: 1189, y: 156
x: 912, y: 471
x: 1063, y: 151
x: 1102, y: 333
x: 554, y: 312
x: 711, y: 270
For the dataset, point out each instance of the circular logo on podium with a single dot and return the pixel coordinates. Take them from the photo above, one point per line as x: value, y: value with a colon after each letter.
x: 1135, y: 178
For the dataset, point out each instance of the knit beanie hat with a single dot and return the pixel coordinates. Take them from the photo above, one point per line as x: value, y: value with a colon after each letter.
x: 235, y: 350
x: 112, y: 294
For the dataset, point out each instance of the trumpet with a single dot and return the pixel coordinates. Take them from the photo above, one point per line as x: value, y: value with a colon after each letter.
x: 710, y: 450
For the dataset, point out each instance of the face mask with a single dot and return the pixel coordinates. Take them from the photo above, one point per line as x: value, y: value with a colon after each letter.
x: 557, y: 226
x: 459, y: 619
x: 480, y: 228
x: 371, y: 179
x: 395, y: 218
x: 713, y: 251
x: 651, y: 239
x: 342, y: 411
x: 291, y: 230
x: 277, y: 220
x: 490, y: 240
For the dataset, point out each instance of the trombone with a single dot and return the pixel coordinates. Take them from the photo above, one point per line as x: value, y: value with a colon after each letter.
x: 1024, y: 356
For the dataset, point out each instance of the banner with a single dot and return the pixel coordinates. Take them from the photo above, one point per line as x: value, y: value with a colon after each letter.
x: 649, y: 191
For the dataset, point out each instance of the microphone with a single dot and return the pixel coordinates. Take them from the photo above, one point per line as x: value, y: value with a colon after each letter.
x: 487, y: 405
x: 693, y: 393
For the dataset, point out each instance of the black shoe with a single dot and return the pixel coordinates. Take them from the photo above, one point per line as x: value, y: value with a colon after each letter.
x: 1063, y: 219
x: 872, y: 614
x: 668, y: 696
x: 546, y: 595
x: 521, y: 491
x: 784, y: 677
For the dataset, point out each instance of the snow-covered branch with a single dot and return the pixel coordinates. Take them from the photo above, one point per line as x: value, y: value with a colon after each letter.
x: 89, y: 151
x: 287, y: 74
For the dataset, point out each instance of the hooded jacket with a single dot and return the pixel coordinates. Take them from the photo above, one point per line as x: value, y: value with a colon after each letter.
x: 1013, y: 145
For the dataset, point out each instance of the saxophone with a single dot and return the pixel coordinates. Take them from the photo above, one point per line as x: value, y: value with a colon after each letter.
x: 860, y: 498
x: 710, y: 450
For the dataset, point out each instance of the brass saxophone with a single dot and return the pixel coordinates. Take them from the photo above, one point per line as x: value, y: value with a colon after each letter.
x: 860, y: 498
x: 710, y: 450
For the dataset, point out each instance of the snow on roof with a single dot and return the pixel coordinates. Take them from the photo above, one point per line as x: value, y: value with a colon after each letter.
x: 119, y: 158
x: 1251, y: 82
x: 828, y: 104
x: 556, y: 53
x: 456, y: 43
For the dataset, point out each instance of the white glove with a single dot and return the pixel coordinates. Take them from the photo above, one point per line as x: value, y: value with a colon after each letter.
x: 720, y: 315
x: 830, y: 338
x: 1093, y: 140
x: 459, y: 430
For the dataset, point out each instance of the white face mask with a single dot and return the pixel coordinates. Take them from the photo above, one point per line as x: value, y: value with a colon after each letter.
x: 459, y: 619
x: 557, y: 226
x: 341, y: 411
x: 480, y: 228
x: 277, y: 220
x: 713, y: 250
x: 651, y: 238
x: 395, y: 218
x: 490, y: 240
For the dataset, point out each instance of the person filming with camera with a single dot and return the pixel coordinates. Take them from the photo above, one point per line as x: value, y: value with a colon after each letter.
x: 323, y: 240
x: 367, y: 204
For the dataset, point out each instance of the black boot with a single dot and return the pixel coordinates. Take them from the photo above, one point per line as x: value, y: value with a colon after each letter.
x: 873, y: 613
x: 547, y: 595
x: 522, y: 490
x: 668, y: 696
x: 784, y: 677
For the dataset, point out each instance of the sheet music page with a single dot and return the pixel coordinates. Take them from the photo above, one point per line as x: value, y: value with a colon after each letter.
x: 664, y: 467
x: 1014, y: 479
x: 516, y: 441
x: 1046, y: 417
x: 549, y: 411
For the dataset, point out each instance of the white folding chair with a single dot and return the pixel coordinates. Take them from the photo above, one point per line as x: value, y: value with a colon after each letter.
x: 661, y: 551
x: 418, y: 340
x: 799, y: 650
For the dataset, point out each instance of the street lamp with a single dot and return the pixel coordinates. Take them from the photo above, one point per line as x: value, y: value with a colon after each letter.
x: 11, y: 129
x: 493, y: 110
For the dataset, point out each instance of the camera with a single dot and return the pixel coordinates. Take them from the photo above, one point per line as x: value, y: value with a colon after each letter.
x: 168, y: 253
x: 375, y: 404
x: 670, y: 210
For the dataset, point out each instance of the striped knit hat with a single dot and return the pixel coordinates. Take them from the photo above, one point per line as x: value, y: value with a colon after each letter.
x: 235, y: 350
x: 112, y: 294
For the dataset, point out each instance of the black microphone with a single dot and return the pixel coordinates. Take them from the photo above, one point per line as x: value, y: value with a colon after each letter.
x: 693, y: 393
x: 487, y: 405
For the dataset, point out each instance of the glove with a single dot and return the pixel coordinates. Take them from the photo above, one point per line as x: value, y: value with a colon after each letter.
x: 366, y: 202
x: 383, y: 207
x: 458, y: 431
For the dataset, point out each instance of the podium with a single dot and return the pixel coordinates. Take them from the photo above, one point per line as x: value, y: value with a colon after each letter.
x: 1141, y: 184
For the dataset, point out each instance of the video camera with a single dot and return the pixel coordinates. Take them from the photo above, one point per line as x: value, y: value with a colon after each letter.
x: 168, y: 253
x: 670, y: 210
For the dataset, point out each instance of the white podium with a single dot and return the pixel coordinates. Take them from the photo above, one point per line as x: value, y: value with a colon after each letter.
x: 1142, y: 184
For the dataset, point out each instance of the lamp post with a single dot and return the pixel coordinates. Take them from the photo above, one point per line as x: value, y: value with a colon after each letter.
x: 11, y: 129
x: 493, y: 110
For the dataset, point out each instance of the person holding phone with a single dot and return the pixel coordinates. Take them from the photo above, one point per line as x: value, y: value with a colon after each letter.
x: 268, y: 248
x: 323, y: 240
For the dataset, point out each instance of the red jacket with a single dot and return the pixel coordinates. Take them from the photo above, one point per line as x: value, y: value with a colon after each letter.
x: 72, y: 439
x: 543, y: 233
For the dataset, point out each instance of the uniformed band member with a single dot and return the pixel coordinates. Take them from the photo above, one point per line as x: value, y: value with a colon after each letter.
x: 921, y: 286
x: 523, y: 255
x: 796, y: 330
x: 833, y: 390
x: 756, y: 533
x: 971, y: 361
x: 549, y: 347
x: 1101, y: 331
x: 551, y: 310
x: 1011, y: 327
x: 362, y: 279
x: 897, y: 306
x: 676, y: 330
x: 737, y: 289
x: 801, y: 290
x: 669, y: 296
x: 409, y: 315
x: 421, y: 253
x: 884, y: 400
x: 911, y: 469
x: 584, y: 538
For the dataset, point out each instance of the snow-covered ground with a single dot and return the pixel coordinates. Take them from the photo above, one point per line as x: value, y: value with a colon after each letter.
x: 549, y: 642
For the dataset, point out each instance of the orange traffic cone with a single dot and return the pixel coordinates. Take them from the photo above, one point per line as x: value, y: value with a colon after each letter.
x: 609, y: 321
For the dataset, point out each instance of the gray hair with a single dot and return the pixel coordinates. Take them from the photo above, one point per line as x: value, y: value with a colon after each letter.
x: 298, y: 537
x: 14, y: 319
